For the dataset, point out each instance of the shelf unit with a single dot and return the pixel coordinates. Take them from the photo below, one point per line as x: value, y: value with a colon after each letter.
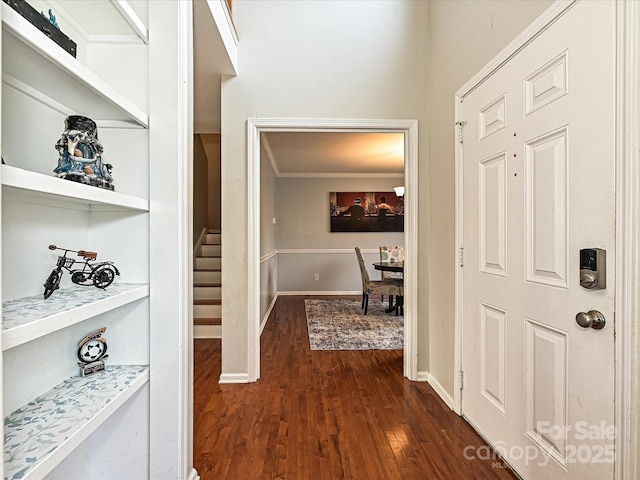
x: 51, y: 413
x: 68, y: 413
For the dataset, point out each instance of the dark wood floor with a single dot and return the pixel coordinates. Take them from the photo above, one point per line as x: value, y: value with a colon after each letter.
x: 326, y: 415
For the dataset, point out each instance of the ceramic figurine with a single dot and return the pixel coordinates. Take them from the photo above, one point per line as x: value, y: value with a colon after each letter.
x: 51, y: 18
x: 81, y: 154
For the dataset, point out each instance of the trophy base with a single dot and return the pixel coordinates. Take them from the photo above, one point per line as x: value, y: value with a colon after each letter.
x: 91, y: 368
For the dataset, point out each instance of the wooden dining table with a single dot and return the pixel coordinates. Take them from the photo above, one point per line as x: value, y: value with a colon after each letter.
x: 389, y: 266
x: 392, y: 267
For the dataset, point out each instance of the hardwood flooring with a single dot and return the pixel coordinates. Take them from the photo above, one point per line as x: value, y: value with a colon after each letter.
x: 327, y: 415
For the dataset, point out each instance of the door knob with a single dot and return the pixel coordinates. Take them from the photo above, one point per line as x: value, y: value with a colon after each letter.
x: 591, y: 319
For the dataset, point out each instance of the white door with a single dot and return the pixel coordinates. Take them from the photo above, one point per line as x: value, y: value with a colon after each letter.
x: 538, y: 168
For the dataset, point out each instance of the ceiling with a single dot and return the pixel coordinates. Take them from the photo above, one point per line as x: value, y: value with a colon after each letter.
x: 292, y: 154
x: 335, y: 154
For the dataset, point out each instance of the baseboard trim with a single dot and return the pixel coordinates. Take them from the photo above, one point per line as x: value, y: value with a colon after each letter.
x: 234, y: 378
x: 193, y: 475
x: 197, y: 249
x: 266, y: 315
x: 439, y: 389
x: 354, y: 292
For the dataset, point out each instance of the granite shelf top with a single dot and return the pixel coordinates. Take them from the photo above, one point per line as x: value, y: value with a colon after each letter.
x: 68, y: 413
x: 24, y: 319
x: 23, y: 310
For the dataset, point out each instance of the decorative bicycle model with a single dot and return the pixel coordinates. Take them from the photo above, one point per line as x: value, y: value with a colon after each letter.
x: 98, y: 274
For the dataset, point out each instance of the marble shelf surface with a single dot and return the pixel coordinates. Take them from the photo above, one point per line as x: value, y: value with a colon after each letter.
x: 68, y: 413
x: 26, y: 318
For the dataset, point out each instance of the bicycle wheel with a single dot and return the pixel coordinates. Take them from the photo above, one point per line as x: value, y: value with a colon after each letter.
x: 103, y: 277
x: 52, y: 283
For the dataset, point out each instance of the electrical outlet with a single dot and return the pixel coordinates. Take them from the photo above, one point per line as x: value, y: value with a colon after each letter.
x: 316, y: 276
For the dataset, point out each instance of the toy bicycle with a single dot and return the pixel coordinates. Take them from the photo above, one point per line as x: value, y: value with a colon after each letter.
x: 98, y: 274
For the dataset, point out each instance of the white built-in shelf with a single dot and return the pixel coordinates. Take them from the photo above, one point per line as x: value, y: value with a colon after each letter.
x: 28, y: 318
x: 48, y: 187
x: 39, y: 435
x: 32, y: 59
x: 111, y: 20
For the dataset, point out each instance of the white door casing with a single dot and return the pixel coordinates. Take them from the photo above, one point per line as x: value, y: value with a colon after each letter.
x: 538, y: 168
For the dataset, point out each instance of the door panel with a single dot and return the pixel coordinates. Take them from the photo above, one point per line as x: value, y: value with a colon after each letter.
x: 538, y: 169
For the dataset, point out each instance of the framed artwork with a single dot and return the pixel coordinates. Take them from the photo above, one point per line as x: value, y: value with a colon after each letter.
x: 366, y: 212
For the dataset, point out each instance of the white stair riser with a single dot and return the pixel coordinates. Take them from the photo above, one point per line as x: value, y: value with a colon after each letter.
x: 207, y: 293
x: 207, y: 277
x: 206, y: 263
x: 207, y: 311
x: 214, y: 238
x: 207, y: 331
x: 211, y: 250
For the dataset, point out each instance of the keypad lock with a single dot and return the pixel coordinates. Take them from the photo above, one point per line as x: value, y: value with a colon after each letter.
x: 593, y: 268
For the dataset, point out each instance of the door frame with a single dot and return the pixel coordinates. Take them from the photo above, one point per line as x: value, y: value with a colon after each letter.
x: 627, y: 298
x: 409, y: 128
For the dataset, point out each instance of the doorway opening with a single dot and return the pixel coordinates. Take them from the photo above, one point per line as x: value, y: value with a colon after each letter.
x: 409, y: 128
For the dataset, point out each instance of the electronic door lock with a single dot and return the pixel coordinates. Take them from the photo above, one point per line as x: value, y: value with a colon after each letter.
x: 593, y: 268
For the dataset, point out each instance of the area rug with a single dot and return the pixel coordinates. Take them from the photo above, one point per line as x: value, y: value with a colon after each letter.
x: 339, y: 324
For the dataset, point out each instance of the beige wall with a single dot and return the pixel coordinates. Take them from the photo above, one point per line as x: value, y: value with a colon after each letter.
x: 200, y: 189
x: 302, y: 59
x: 303, y: 223
x: 211, y: 144
x: 465, y: 35
x: 355, y: 59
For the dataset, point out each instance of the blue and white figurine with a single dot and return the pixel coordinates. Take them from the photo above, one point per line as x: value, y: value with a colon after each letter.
x: 81, y: 154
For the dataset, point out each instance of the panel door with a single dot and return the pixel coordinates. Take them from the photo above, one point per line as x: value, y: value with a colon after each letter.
x: 538, y: 171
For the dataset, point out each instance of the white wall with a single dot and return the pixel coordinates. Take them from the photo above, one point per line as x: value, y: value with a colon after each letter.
x: 465, y: 35
x: 330, y: 59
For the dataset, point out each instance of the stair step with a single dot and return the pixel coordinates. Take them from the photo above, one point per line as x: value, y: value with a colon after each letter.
x: 207, y: 293
x: 208, y: 263
x: 206, y: 310
x: 210, y: 250
x: 207, y: 321
x: 207, y: 276
x: 213, y: 238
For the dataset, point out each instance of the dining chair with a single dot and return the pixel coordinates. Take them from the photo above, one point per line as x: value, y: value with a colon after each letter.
x: 392, y: 253
x: 391, y: 287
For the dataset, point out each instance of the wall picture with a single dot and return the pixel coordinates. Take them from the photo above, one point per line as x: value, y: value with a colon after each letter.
x: 366, y: 212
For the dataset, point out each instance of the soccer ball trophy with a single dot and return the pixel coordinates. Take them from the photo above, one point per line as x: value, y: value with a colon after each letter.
x: 92, y: 351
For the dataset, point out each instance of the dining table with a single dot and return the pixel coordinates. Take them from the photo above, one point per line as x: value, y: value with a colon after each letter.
x: 392, y: 267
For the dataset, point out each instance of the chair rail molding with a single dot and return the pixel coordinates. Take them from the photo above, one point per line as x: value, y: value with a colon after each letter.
x: 255, y: 126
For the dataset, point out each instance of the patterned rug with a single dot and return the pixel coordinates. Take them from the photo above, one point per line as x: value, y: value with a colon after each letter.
x: 339, y: 324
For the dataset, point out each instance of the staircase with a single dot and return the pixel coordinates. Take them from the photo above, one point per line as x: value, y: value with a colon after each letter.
x: 207, y: 288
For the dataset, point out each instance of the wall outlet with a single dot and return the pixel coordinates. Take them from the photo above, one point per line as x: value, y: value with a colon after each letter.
x: 316, y: 276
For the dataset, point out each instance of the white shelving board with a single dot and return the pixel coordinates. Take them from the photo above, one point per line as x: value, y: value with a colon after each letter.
x: 51, y: 188
x: 60, y: 76
x: 39, y: 435
x: 26, y: 319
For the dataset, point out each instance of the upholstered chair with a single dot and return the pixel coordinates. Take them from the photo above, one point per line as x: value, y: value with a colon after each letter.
x: 392, y: 253
x: 391, y: 287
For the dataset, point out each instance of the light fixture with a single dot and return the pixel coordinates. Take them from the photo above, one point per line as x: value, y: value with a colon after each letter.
x: 399, y: 191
